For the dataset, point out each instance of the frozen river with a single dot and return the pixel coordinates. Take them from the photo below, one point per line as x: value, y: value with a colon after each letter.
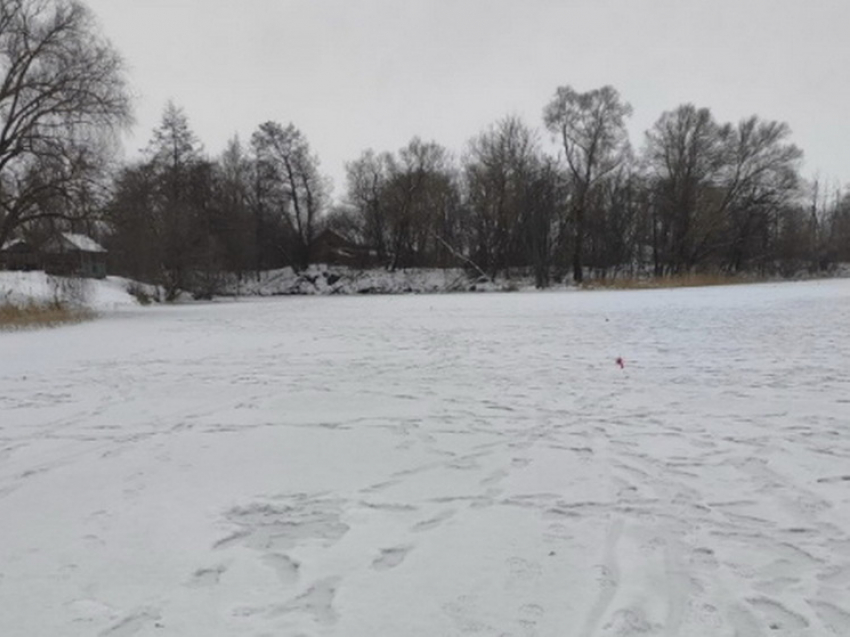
x: 433, y: 465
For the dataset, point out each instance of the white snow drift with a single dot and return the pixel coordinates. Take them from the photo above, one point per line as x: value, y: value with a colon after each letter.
x: 20, y: 288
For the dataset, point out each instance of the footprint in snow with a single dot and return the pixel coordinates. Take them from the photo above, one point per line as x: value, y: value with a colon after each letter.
x: 317, y: 601
x: 391, y: 557
x: 462, y: 612
x: 703, y: 557
x: 630, y: 621
x: 528, y: 617
x: 205, y: 577
x: 285, y: 567
x: 703, y: 615
x: 523, y: 570
x: 838, y: 575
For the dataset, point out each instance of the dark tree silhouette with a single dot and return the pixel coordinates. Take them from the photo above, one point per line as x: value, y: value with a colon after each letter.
x: 62, y: 92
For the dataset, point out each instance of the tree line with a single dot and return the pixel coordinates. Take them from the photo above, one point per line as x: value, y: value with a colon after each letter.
x: 697, y: 194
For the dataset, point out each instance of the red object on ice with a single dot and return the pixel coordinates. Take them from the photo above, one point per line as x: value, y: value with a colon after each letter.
x: 620, y: 362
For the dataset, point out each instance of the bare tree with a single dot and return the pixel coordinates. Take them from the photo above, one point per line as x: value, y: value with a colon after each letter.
x: 183, y: 194
x: 367, y: 178
x: 616, y: 227
x: 162, y: 210
x: 500, y: 166
x: 544, y: 216
x: 236, y: 222
x: 62, y: 92
x: 761, y: 177
x: 686, y: 150
x: 591, y: 129
x: 422, y: 198
x: 839, y: 229
x: 719, y: 190
x: 296, y: 189
x: 406, y: 205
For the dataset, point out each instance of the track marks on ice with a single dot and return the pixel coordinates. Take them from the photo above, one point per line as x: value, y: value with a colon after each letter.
x: 834, y: 479
x: 433, y: 522
x: 276, y: 526
x: 743, y: 621
x: 317, y: 602
x: 133, y: 623
x: 608, y: 578
x: 778, y: 617
x: 836, y: 576
x: 834, y: 618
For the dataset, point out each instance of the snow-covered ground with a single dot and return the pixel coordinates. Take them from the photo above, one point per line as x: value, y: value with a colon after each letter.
x: 433, y: 465
x: 322, y: 279
x: 20, y: 288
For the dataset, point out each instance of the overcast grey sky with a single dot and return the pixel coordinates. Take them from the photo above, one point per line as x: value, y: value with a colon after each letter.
x: 355, y: 74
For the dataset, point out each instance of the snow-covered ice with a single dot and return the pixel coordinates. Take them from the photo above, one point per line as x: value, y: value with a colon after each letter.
x: 433, y: 465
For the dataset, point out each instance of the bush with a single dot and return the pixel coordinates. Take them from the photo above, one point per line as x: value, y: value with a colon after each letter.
x: 70, y: 291
x: 144, y: 294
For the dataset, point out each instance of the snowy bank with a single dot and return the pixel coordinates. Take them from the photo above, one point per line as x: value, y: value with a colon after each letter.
x: 322, y: 279
x: 21, y: 288
x: 327, y: 279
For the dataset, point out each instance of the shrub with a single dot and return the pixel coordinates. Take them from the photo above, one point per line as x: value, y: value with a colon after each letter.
x: 69, y: 290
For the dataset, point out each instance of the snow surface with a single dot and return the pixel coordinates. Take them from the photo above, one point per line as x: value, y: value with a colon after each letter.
x: 433, y: 465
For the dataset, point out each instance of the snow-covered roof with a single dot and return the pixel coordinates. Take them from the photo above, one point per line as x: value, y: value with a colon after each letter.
x: 82, y: 242
x: 11, y: 244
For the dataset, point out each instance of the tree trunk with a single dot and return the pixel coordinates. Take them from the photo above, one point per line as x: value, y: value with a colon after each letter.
x: 578, y: 274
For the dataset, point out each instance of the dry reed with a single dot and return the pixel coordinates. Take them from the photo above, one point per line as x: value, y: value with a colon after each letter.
x: 38, y: 315
x: 671, y: 281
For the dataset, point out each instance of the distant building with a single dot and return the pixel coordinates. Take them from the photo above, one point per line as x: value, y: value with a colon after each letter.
x: 70, y: 254
x: 332, y: 248
x: 18, y: 254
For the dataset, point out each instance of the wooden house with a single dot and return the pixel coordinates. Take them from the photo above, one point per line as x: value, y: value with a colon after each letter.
x: 71, y: 254
x: 18, y: 254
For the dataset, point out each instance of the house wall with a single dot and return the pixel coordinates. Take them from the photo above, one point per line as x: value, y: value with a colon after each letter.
x: 85, y: 264
x: 22, y: 261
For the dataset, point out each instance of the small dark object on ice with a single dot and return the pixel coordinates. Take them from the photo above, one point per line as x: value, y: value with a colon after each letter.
x: 620, y: 362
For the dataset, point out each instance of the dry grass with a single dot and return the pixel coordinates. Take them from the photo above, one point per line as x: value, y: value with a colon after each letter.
x: 39, y: 315
x: 673, y: 281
